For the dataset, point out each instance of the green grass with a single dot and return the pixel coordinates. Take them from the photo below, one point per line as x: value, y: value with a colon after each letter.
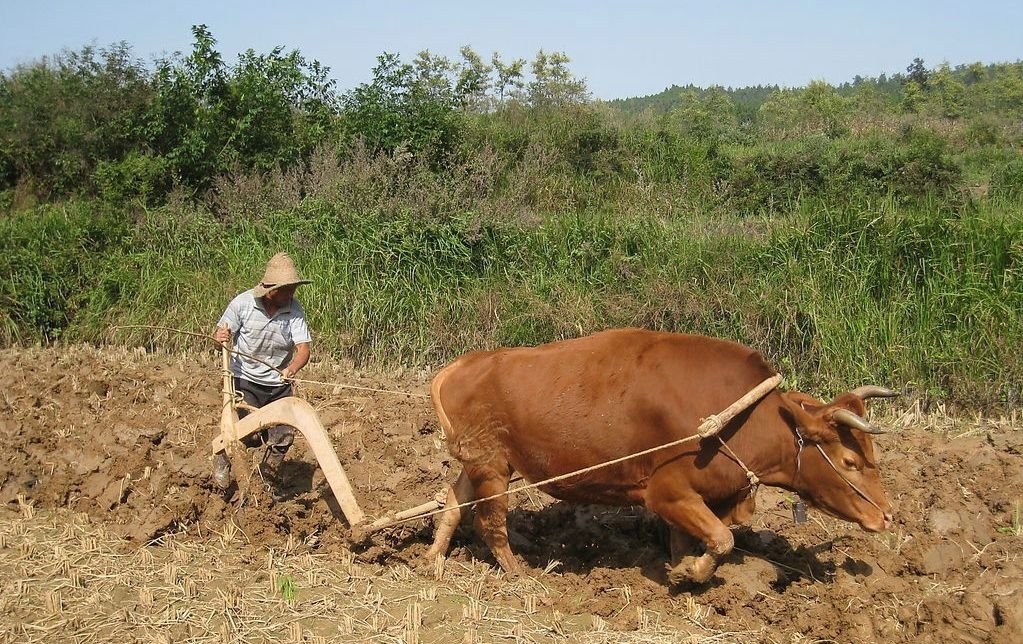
x: 1016, y: 528
x: 922, y: 296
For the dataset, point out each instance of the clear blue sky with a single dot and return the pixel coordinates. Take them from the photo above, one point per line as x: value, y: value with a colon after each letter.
x: 622, y: 49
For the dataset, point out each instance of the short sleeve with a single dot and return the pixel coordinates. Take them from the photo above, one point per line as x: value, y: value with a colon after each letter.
x: 299, y: 328
x: 232, y: 315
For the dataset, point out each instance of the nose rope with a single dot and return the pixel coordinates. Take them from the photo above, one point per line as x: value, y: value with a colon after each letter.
x: 754, y: 481
x: 850, y: 483
x: 799, y: 451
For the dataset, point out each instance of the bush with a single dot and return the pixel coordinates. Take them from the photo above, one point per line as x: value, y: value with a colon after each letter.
x: 774, y: 178
x: 142, y: 178
x: 925, y: 166
x: 52, y: 257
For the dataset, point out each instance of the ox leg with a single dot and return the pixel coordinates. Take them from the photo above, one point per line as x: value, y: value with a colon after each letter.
x: 681, y: 545
x: 492, y: 516
x: 693, y: 517
x: 459, y: 493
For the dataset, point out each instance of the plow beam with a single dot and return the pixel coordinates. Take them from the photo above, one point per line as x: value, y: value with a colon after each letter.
x: 299, y: 414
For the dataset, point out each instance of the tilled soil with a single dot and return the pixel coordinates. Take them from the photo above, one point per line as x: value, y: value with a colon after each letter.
x: 111, y: 447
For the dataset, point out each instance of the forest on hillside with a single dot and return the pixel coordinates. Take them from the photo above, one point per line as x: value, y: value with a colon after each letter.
x: 101, y: 123
x: 748, y: 100
x: 870, y: 231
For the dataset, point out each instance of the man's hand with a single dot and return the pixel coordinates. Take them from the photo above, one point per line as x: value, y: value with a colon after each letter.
x: 286, y: 374
x: 222, y: 335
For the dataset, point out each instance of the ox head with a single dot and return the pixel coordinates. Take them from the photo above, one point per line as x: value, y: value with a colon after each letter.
x: 837, y: 470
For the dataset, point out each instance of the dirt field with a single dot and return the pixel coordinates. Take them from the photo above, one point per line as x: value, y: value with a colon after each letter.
x: 110, y: 530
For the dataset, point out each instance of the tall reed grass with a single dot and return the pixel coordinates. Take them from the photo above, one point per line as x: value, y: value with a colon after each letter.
x: 413, y: 267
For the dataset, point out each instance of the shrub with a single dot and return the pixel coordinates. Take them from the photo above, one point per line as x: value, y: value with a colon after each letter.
x: 925, y: 165
x: 142, y: 178
x: 51, y: 257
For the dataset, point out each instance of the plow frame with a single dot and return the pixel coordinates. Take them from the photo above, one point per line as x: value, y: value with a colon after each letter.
x: 293, y: 412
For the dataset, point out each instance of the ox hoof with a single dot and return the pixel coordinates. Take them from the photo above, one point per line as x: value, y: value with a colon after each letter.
x: 678, y: 576
x: 512, y: 568
x: 689, y: 572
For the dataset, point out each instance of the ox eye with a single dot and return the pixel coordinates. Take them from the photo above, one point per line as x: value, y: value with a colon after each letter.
x: 850, y: 463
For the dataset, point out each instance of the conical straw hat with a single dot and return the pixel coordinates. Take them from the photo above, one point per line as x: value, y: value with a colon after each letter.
x: 280, y: 271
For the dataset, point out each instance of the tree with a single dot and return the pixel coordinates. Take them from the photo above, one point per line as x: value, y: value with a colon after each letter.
x: 1007, y: 90
x: 279, y: 107
x: 267, y: 111
x: 780, y: 112
x: 473, y: 82
x: 60, y: 117
x: 823, y: 109
x: 975, y: 73
x: 186, y: 124
x: 706, y: 117
x: 946, y: 92
x: 509, y: 77
x: 404, y: 106
x: 553, y: 84
x: 917, y: 72
x: 912, y: 96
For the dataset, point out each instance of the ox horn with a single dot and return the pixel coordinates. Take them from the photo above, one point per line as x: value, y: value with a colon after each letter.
x: 873, y: 391
x: 855, y: 421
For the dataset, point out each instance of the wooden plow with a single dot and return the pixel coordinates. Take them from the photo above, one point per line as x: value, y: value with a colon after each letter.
x: 293, y: 412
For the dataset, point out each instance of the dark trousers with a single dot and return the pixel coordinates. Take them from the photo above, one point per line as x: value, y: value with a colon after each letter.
x: 277, y: 439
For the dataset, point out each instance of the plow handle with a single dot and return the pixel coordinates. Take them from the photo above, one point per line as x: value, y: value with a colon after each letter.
x: 225, y: 362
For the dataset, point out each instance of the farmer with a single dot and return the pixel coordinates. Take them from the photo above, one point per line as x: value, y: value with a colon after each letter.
x: 267, y: 325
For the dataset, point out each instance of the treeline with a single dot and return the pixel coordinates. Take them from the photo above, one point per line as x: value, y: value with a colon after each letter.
x: 100, y: 123
x: 918, y: 89
x: 853, y: 234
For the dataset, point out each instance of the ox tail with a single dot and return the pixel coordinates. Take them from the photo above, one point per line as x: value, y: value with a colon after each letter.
x: 438, y: 406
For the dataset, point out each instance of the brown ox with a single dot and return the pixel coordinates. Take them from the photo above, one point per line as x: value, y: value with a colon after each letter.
x: 558, y: 408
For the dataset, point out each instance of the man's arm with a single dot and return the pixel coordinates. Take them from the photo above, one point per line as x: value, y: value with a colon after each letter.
x: 298, y: 361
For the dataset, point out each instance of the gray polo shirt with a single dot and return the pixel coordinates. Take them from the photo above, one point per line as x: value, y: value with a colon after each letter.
x: 271, y: 339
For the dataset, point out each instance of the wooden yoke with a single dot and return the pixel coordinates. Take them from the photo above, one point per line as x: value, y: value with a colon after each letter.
x: 296, y: 413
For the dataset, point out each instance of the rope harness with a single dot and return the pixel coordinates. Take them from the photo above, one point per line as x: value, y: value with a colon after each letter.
x: 754, y: 481
x: 800, y: 442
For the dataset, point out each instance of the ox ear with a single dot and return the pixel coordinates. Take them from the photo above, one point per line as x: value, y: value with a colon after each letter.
x: 806, y: 401
x: 808, y: 415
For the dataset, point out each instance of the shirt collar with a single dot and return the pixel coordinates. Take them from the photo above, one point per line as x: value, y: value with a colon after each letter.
x: 260, y: 304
